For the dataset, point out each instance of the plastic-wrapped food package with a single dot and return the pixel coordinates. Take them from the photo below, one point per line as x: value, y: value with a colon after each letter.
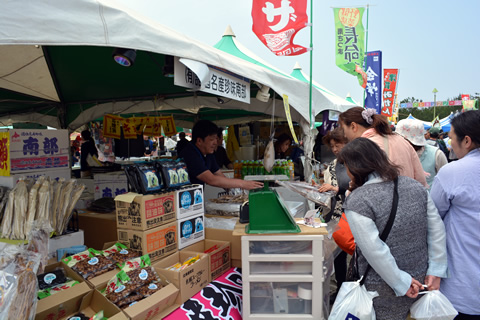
x: 310, y: 192
x: 20, y: 213
x: 7, y: 220
x: 43, y: 204
x: 182, y: 173
x: 75, y: 195
x: 32, y: 205
x: 269, y: 158
x: 4, y: 192
x: 65, y: 195
x: 149, y: 179
x: 169, y: 172
x: 57, y: 202
x: 8, y: 284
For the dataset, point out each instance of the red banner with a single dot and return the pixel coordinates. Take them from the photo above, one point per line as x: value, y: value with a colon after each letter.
x: 389, y: 86
x: 276, y: 22
x: 465, y: 97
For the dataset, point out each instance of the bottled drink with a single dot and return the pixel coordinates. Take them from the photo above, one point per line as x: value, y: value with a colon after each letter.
x: 291, y: 169
x: 244, y: 169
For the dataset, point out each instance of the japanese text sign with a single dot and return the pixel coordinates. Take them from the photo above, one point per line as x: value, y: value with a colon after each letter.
x: 349, y: 42
x: 112, y: 126
x: 373, y: 90
x: 4, y: 154
x: 276, y: 22
x: 219, y: 82
x: 390, y: 78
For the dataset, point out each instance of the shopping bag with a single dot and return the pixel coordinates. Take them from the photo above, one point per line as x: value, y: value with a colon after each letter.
x: 353, y: 302
x: 433, y: 306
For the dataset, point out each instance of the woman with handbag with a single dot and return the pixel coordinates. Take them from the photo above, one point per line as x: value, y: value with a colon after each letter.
x: 455, y: 193
x: 411, y: 247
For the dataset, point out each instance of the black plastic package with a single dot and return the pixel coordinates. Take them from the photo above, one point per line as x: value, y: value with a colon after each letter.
x: 182, y: 172
x: 148, y: 177
x: 169, y: 171
x: 79, y: 316
x: 51, y: 279
x: 132, y: 178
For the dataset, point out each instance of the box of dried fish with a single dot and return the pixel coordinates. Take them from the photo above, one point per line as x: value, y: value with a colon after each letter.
x: 226, y: 205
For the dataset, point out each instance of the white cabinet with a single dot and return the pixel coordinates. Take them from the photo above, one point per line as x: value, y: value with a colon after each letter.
x: 282, y: 276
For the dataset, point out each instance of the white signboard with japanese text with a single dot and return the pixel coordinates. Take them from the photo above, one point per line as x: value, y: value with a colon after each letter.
x: 34, y: 149
x: 219, y: 82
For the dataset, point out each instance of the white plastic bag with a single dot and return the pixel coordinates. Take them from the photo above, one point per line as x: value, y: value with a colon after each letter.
x: 353, y: 299
x: 433, y: 306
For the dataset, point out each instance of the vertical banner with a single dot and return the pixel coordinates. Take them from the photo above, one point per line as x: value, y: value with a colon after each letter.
x: 112, y: 126
x: 168, y: 125
x: 276, y: 22
x: 374, y: 81
x: 349, y: 42
x: 129, y: 130
x: 289, y: 117
x: 390, y: 77
x: 4, y: 153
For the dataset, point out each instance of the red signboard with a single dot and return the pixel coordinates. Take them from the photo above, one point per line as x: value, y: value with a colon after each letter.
x: 389, y: 86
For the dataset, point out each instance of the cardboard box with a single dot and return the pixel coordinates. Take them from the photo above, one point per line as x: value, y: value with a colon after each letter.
x: 65, y: 241
x: 93, y: 302
x: 110, y: 184
x: 65, y: 303
x: 190, y: 280
x: 31, y: 150
x: 189, y: 201
x: 144, y: 212
x: 237, y: 263
x: 56, y: 174
x: 226, y: 235
x: 190, y: 230
x: 98, y: 228
x: 218, y: 260
x: 154, y: 305
x: 157, y: 242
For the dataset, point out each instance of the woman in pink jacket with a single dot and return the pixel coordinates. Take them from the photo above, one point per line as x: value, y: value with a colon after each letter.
x: 358, y: 122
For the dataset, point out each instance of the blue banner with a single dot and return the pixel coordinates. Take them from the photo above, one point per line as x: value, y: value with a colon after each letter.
x: 374, y: 81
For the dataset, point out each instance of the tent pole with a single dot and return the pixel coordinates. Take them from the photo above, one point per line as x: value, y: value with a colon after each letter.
x: 366, y: 51
x: 311, y: 65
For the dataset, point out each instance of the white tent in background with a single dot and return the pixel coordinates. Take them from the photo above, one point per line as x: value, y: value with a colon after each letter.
x: 444, y: 123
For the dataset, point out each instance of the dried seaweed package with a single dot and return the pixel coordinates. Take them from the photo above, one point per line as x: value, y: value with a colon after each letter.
x: 182, y: 172
x: 51, y: 279
x: 149, y: 181
x: 132, y: 178
x: 169, y: 171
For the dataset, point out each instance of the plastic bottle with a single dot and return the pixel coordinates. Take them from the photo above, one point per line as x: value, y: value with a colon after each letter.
x: 291, y: 166
x: 244, y: 169
x: 235, y: 169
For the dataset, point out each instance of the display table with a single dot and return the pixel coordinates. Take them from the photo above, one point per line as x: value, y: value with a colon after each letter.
x: 282, y: 274
x: 99, y: 228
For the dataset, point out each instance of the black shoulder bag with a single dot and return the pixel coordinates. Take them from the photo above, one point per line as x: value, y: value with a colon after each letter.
x: 352, y: 272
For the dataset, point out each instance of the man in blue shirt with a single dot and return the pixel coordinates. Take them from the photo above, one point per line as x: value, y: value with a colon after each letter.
x: 201, y: 163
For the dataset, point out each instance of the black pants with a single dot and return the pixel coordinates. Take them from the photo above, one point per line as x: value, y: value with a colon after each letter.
x: 463, y: 316
x: 340, y: 264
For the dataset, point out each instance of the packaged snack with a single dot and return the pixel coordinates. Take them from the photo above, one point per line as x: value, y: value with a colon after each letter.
x: 132, y: 178
x: 183, y: 178
x: 74, y: 259
x: 79, y: 316
x: 149, y: 179
x: 51, y: 279
x: 93, y: 266
x: 169, y: 171
x: 41, y: 294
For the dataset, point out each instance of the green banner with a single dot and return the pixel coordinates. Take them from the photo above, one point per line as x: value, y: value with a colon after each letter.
x: 349, y: 42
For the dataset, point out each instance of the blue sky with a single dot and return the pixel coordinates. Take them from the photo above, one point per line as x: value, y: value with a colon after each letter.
x: 435, y: 44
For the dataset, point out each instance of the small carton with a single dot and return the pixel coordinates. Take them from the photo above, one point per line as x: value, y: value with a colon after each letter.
x: 143, y: 212
x: 190, y: 230
x: 190, y: 280
x: 66, y: 302
x: 151, y: 306
x: 218, y: 256
x: 93, y: 302
x: 189, y: 201
x: 157, y: 242
x: 226, y: 235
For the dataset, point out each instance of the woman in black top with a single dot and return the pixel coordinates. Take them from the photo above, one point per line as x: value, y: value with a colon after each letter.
x: 87, y: 148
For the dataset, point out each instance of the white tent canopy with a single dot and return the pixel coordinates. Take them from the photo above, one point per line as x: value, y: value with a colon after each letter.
x: 25, y: 26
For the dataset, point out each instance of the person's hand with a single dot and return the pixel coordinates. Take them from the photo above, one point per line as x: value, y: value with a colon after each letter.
x: 415, y: 286
x: 327, y: 187
x: 432, y: 282
x: 249, y: 185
